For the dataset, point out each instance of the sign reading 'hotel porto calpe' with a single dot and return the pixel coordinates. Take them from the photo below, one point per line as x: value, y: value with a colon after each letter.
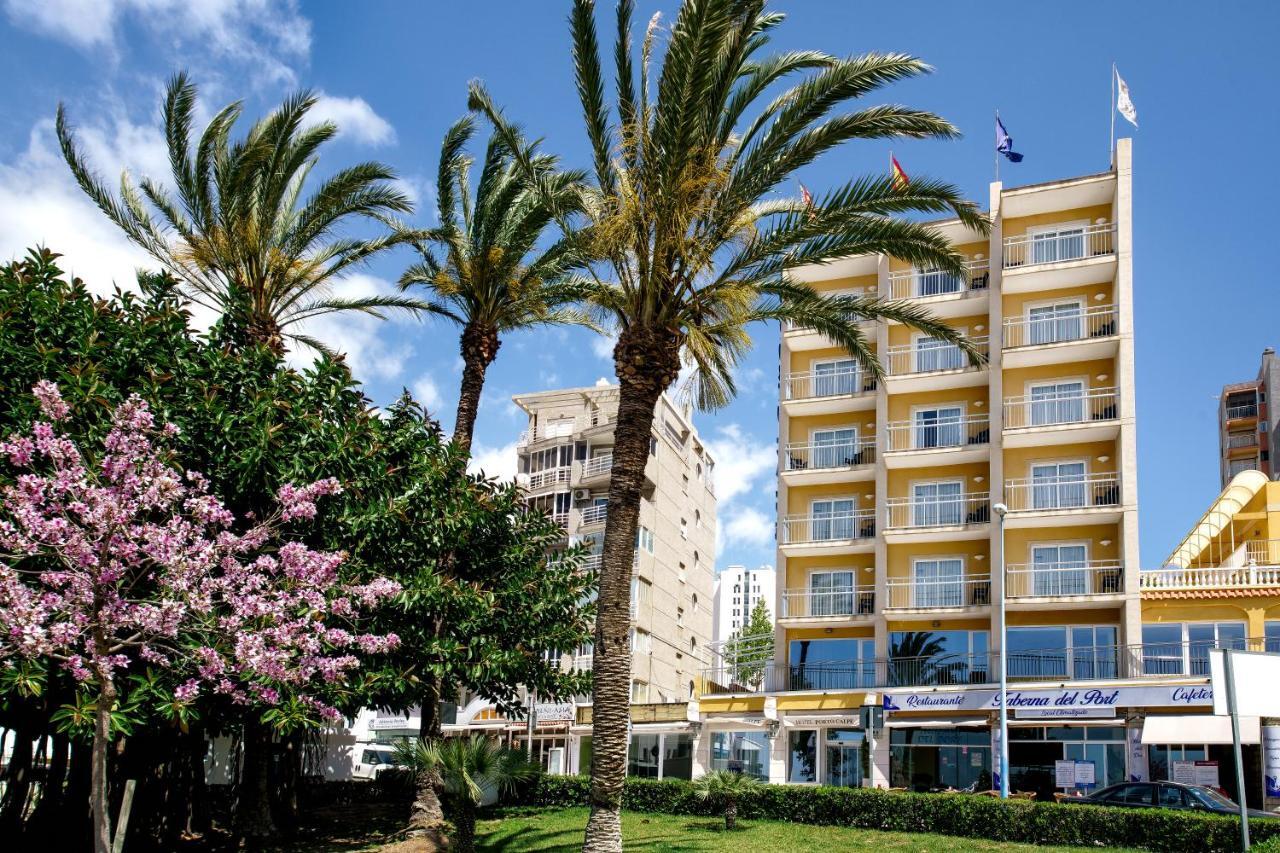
x: 1052, y: 702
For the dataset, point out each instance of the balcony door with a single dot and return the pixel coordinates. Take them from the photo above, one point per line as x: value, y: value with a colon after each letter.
x: 1051, y: 324
x: 832, y: 378
x: 1057, y: 403
x: 938, y: 583
x: 934, y: 504
x: 938, y: 427
x: 933, y: 354
x: 831, y: 593
x: 1058, y: 243
x: 1058, y: 485
x: 833, y: 519
x: 1059, y: 569
x: 833, y: 448
x: 936, y: 283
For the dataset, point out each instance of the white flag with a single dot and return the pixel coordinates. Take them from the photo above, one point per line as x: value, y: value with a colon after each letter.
x: 1123, y: 104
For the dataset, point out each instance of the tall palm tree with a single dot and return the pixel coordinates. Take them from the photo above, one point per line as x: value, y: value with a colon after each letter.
x: 687, y: 243
x: 239, y: 235
x: 481, y: 265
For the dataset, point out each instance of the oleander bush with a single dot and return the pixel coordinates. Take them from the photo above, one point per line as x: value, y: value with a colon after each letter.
x: 947, y: 814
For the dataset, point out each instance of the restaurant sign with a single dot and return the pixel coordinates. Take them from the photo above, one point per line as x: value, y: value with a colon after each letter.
x: 1057, y: 700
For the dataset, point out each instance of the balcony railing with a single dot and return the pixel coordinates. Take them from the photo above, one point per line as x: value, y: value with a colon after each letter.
x: 547, y: 477
x: 1097, y: 322
x: 1264, y: 552
x: 562, y: 519
x: 922, y: 284
x: 969, y: 591
x: 812, y: 384
x: 1046, y: 494
x: 597, y: 465
x: 1067, y: 244
x: 1243, y: 410
x: 837, y: 527
x: 1047, y: 580
x: 908, y: 359
x: 1074, y: 664
x: 1240, y: 440
x: 595, y: 514
x: 807, y: 456
x: 1233, y: 577
x: 837, y: 602
x: 1057, y: 409
x: 908, y: 513
x: 593, y: 562
x: 921, y: 434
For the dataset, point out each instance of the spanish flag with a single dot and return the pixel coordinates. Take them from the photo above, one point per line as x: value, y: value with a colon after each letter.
x: 900, y: 179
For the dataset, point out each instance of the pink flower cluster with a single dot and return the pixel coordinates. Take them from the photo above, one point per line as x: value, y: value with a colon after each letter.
x: 133, y: 559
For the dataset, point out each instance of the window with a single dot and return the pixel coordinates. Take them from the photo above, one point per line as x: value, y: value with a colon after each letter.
x: 680, y: 573
x: 936, y: 282
x: 1183, y: 648
x: 1057, y: 243
x: 1058, y: 485
x: 639, y: 692
x: 1083, y: 652
x: 644, y: 756
x: 836, y: 664
x: 745, y: 752
x: 679, y: 617
x: 935, y: 354
x: 1235, y: 466
x: 644, y: 539
x: 559, y: 428
x: 697, y: 518
x: 684, y: 529
x: 641, y: 642
x: 938, y: 583
x: 833, y: 519
x: 1134, y: 794
x: 1057, y: 403
x: 1049, y: 324
x: 926, y: 658
x: 1060, y: 569
x: 831, y: 378
x: 1271, y: 635
x: 938, y: 427
x: 937, y: 503
x: 832, y: 448
x: 653, y: 445
x: 641, y: 595
x: 928, y: 759
x: 684, y: 485
x: 843, y: 758
x: 802, y: 756
x: 831, y: 593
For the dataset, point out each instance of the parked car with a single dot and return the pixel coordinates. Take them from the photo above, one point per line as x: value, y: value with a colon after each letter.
x: 371, y: 760
x: 1164, y: 795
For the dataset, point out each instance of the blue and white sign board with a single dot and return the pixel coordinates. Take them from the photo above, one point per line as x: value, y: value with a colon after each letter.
x: 1271, y: 759
x: 1074, y: 774
x: 1058, y: 700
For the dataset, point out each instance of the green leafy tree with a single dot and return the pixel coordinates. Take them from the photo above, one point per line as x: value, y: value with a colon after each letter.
x: 748, y: 650
x: 238, y: 232
x: 472, y: 770
x: 687, y: 242
x: 725, y: 788
x: 482, y: 267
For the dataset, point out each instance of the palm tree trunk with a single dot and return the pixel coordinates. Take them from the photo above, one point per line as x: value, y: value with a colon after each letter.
x: 647, y: 363
x: 479, y: 348
x: 427, y: 814
x: 731, y: 814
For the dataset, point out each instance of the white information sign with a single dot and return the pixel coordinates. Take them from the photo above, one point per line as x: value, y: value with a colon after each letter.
x: 1256, y: 675
x: 1085, y: 774
x: 1206, y: 773
x: 1184, y: 772
x: 1064, y: 774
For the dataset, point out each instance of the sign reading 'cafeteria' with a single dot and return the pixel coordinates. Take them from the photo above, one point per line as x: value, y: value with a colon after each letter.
x: 1094, y: 697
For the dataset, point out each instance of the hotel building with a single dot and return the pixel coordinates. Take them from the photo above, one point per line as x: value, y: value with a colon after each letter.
x: 1245, y: 442
x: 738, y: 590
x: 887, y: 650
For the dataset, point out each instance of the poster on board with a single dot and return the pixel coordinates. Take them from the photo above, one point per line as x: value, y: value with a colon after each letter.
x: 1271, y: 759
x: 1064, y: 774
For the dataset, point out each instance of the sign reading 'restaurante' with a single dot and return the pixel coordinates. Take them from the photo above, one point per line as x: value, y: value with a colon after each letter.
x: 1094, y: 697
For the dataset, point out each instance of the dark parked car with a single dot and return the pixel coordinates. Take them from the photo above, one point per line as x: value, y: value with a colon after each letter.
x: 1164, y: 795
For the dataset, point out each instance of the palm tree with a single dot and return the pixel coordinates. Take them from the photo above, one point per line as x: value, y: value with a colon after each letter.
x: 472, y: 770
x: 488, y: 276
x: 239, y: 236
x: 725, y: 788
x: 686, y: 242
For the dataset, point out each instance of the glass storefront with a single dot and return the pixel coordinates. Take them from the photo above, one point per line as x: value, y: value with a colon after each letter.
x: 1034, y: 749
x: 660, y: 756
x: 1160, y: 758
x: 834, y: 756
x: 940, y: 759
x: 745, y: 752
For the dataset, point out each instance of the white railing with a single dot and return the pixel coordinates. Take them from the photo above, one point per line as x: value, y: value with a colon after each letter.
x: 582, y: 663
x: 905, y: 359
x: 836, y: 527
x: 597, y: 465
x: 1068, y: 244
x: 1046, y: 494
x: 1264, y: 552
x: 1244, y: 410
x: 1242, y: 439
x: 967, y: 591
x: 548, y: 477
x: 1094, y: 404
x: 808, y: 456
x: 960, y: 510
x: 960, y: 431
x: 1096, y: 322
x: 838, y: 383
x: 837, y: 602
x: 593, y: 562
x: 562, y: 519
x: 923, y: 284
x: 1237, y: 577
x: 595, y: 514
x: 1045, y: 580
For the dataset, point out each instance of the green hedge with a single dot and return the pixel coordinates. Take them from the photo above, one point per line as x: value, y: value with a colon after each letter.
x: 948, y: 814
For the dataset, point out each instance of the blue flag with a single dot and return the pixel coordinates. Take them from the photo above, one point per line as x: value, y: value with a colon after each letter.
x: 1004, y: 143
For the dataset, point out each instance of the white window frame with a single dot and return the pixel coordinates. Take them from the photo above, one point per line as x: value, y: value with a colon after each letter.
x: 1060, y: 544
x: 961, y: 498
x: 1081, y: 304
x: 1084, y: 482
x: 1031, y: 384
x: 856, y: 376
x: 1053, y: 228
x: 962, y: 405
x: 833, y: 596
x: 916, y: 337
x: 813, y: 442
x: 853, y: 519
x: 959, y: 580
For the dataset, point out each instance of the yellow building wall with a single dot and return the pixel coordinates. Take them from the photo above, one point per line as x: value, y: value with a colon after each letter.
x: 980, y: 624
x: 1016, y: 381
x: 1018, y: 540
x: 865, y: 283
x: 1015, y: 304
x: 1042, y: 618
x: 1017, y: 226
x: 800, y: 497
x: 1254, y: 611
x: 798, y: 568
x: 975, y: 553
x: 974, y: 401
x: 1018, y: 460
x: 802, y: 361
x: 966, y: 249
x: 799, y: 428
x: 900, y: 479
x: 900, y: 335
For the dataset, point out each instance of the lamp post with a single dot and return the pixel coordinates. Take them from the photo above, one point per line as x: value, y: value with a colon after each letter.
x: 1000, y: 511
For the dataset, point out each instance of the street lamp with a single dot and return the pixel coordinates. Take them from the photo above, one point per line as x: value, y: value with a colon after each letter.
x: 1001, y: 510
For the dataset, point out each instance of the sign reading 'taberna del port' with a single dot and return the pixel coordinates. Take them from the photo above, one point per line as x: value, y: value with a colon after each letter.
x: 988, y: 699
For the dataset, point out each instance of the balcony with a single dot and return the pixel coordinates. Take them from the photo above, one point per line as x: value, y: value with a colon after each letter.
x: 943, y: 515
x: 926, y: 365
x: 596, y: 468
x: 1069, y: 256
x: 960, y: 593
x: 837, y: 604
x: 594, y: 515
x: 1068, y: 499
x: 947, y: 293
x: 1065, y: 335
x: 1242, y: 441
x: 1052, y: 581
x: 546, y: 478
x: 1250, y: 577
x: 961, y: 438
x: 825, y: 533
x: 1056, y: 417
x: 593, y: 562
x: 827, y: 462
x: 820, y: 392
x: 1241, y: 411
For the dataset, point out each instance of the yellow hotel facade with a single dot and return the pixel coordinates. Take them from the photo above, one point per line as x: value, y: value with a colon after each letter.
x: 890, y: 495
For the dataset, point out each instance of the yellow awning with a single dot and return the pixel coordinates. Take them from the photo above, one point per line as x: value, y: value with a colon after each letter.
x: 1238, y: 492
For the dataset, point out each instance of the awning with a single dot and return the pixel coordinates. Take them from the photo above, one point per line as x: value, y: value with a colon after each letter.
x: 713, y: 720
x: 1198, y: 728
x: 896, y: 722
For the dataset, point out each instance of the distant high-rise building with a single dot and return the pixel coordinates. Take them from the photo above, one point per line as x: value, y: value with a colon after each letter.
x: 737, y: 591
x: 1245, y: 439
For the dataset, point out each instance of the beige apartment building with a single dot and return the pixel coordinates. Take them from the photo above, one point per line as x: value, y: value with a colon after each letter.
x: 1245, y: 440
x: 565, y: 457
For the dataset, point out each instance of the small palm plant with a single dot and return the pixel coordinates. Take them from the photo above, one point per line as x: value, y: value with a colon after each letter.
x: 725, y: 788
x: 470, y: 770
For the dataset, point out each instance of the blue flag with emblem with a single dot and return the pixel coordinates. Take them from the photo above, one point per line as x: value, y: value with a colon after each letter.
x: 1004, y: 143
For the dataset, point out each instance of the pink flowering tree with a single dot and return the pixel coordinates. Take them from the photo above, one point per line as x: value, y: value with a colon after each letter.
x: 119, y: 558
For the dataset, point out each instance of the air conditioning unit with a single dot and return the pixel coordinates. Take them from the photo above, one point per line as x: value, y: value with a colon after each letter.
x: 582, y: 494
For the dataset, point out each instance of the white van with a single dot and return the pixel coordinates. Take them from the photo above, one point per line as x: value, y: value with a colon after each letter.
x: 371, y: 759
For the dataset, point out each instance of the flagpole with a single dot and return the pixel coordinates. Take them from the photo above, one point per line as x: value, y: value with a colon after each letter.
x: 1111, y: 149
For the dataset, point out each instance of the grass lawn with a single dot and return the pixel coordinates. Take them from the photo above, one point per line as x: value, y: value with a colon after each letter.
x: 553, y: 831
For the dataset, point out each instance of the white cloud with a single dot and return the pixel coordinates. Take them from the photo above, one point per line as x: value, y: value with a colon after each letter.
x: 744, y: 527
x: 428, y: 394
x: 602, y: 346
x: 499, y: 462
x: 740, y: 460
x: 369, y: 350
x: 354, y: 117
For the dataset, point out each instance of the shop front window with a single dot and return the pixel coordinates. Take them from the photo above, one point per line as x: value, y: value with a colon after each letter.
x: 802, y: 756
x: 745, y: 752
x: 659, y: 756
x: 843, y: 757
x: 845, y: 664
x: 940, y: 759
x: 677, y: 756
x: 642, y: 757
x: 1034, y: 749
x: 925, y: 658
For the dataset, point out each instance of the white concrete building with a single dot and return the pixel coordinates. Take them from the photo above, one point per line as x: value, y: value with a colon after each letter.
x: 737, y: 591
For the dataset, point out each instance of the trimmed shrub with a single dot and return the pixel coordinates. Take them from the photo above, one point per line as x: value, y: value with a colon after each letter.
x: 946, y: 814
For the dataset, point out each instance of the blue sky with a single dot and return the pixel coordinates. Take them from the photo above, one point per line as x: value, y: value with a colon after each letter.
x: 393, y: 76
